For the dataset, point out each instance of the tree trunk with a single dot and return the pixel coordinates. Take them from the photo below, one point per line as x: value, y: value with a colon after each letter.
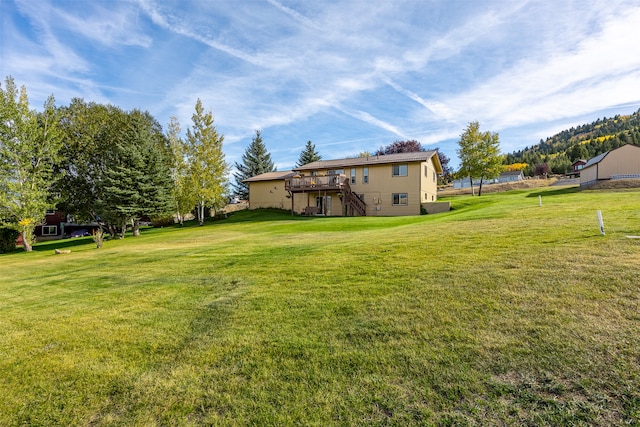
x: 26, y: 244
x: 471, y: 182
x: 480, y: 189
x: 201, y: 213
x: 136, y: 228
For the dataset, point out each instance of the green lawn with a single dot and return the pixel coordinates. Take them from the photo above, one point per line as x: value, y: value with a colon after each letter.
x: 500, y: 312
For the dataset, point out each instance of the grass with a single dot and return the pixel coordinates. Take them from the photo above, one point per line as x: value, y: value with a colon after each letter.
x: 500, y: 312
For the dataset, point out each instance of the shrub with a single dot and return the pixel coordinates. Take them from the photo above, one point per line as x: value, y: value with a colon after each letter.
x: 8, y: 238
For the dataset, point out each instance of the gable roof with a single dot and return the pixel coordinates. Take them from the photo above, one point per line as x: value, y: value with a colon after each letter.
x: 419, y: 156
x: 597, y: 159
x: 270, y: 176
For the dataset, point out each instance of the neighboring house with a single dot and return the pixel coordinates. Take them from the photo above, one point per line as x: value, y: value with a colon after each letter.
x: 576, y: 167
x: 389, y: 185
x: 621, y: 163
x: 513, y: 176
x: 268, y: 191
x: 53, y: 225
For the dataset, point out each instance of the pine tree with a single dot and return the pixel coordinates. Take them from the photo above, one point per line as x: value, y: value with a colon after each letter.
x: 256, y: 160
x: 308, y: 155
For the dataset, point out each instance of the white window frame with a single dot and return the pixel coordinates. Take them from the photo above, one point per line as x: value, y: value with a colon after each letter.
x: 400, y: 198
x: 365, y: 175
x: 46, y: 230
x: 353, y: 175
x: 397, y: 169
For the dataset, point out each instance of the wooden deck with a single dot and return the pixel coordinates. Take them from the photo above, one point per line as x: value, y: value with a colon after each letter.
x: 314, y: 183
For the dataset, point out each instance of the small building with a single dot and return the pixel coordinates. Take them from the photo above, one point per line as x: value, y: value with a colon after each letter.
x: 621, y: 163
x: 576, y: 167
x: 511, y: 176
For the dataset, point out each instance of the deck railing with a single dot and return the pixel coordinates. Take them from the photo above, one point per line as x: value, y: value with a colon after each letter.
x: 310, y: 183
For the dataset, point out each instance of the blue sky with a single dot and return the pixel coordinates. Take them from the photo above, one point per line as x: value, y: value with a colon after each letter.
x: 349, y: 75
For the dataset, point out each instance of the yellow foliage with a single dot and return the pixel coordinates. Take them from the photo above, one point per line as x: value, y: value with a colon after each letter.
x: 515, y: 167
x: 26, y: 222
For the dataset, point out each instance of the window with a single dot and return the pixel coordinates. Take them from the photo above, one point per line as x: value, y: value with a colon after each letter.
x: 335, y: 172
x: 400, y: 170
x: 49, y: 230
x: 400, y: 199
x: 365, y: 175
x: 435, y: 178
x: 353, y: 175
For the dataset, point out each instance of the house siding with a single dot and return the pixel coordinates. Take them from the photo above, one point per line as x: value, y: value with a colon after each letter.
x: 621, y: 161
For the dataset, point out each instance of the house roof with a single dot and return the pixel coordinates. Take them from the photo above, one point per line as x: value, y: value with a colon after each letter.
x: 419, y: 156
x: 270, y: 176
x: 583, y: 161
x: 597, y: 159
x: 511, y: 173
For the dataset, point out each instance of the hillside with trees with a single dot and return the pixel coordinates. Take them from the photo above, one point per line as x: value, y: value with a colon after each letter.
x: 581, y: 142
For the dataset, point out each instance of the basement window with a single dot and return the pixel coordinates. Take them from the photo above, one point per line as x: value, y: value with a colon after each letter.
x: 400, y: 199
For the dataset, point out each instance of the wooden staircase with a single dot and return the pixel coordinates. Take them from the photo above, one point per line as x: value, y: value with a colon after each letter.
x: 355, y: 205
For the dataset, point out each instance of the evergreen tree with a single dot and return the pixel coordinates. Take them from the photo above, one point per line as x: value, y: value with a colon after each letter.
x: 29, y: 148
x: 207, y: 167
x: 308, y: 155
x: 256, y: 160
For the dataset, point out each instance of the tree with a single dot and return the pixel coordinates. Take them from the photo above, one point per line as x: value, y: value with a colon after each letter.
x: 308, y: 155
x: 117, y: 166
x: 184, y: 197
x: 411, y: 146
x: 542, y: 169
x: 479, y: 154
x: 207, y: 167
x: 29, y: 148
x: 256, y: 160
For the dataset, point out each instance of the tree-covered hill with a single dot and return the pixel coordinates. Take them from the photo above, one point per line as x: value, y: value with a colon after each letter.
x: 582, y: 142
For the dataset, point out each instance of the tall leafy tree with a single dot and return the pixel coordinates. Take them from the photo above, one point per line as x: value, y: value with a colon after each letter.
x: 207, y: 166
x: 256, y: 160
x: 308, y: 155
x: 29, y: 149
x: 479, y: 154
x: 184, y: 196
x: 118, y: 166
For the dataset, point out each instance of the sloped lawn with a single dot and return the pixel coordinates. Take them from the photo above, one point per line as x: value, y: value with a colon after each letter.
x: 500, y: 312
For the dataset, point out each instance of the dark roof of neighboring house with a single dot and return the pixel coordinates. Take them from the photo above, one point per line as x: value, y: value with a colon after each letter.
x: 270, y: 176
x: 579, y: 161
x: 419, y: 156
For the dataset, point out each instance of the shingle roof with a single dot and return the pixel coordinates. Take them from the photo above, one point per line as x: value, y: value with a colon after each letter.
x: 270, y: 176
x: 419, y: 156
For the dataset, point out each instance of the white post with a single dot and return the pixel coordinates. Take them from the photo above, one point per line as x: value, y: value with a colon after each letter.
x: 601, y: 222
x: 540, y: 199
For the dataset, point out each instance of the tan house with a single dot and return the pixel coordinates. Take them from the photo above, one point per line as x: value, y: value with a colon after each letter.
x: 621, y: 163
x: 389, y: 185
x: 268, y: 191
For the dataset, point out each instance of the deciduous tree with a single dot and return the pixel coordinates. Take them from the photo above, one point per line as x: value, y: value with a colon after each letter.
x: 29, y: 149
x: 479, y: 154
x: 184, y: 196
x: 207, y: 167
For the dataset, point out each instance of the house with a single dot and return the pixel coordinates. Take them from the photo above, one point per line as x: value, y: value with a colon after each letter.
x: 384, y: 185
x: 267, y: 190
x: 621, y: 163
x: 576, y: 167
x: 511, y: 176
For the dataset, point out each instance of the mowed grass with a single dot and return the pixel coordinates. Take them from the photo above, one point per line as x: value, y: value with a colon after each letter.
x: 500, y: 312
